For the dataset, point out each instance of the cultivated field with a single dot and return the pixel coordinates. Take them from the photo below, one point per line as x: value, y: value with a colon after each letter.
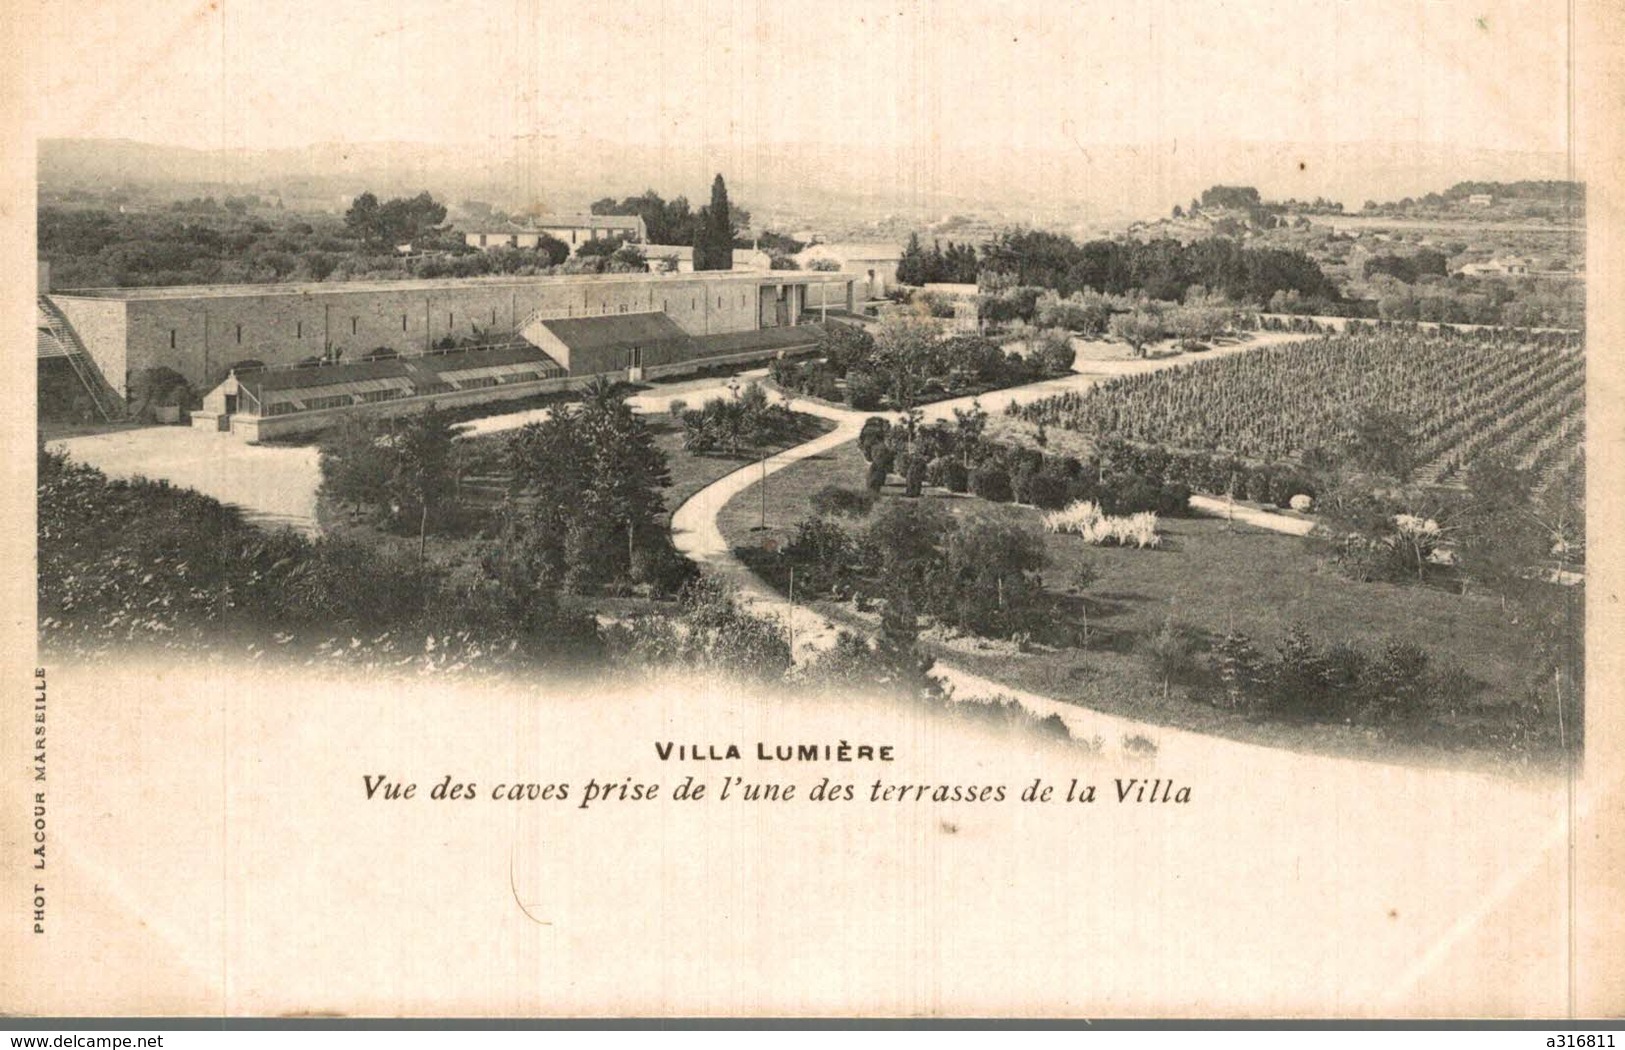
x: 1460, y: 396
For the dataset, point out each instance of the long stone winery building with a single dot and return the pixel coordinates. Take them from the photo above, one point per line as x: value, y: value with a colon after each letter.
x: 543, y: 331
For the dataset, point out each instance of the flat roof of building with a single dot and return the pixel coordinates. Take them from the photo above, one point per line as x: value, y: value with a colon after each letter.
x: 616, y: 330
x: 221, y: 291
x: 421, y: 370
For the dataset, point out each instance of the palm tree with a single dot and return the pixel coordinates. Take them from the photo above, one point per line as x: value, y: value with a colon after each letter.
x: 602, y: 391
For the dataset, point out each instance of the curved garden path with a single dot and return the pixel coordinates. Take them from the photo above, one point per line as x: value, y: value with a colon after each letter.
x: 697, y: 535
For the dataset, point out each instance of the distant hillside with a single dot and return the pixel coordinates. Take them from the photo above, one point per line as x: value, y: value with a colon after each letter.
x: 1544, y: 199
x: 1061, y: 183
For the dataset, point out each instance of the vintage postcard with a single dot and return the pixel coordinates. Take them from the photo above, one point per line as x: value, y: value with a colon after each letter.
x: 614, y: 509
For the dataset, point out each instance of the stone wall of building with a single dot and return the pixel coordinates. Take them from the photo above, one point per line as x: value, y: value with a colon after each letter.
x: 202, y: 336
x: 100, y: 324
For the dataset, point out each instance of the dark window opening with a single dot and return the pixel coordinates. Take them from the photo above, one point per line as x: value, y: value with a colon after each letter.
x: 239, y: 333
x: 172, y: 338
x: 355, y: 323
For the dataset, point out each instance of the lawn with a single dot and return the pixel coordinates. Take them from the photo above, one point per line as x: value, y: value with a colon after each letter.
x: 1209, y: 577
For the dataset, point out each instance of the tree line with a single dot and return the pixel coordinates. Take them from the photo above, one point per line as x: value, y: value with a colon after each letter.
x: 712, y: 231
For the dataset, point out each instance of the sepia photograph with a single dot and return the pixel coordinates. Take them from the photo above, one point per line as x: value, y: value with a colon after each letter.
x: 655, y: 509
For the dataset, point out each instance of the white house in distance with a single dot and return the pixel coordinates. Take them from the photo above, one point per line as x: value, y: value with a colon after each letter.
x: 875, y: 264
x: 660, y: 254
x: 1509, y: 266
x: 573, y: 230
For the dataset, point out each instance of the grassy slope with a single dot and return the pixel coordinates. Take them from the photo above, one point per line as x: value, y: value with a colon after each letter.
x: 1211, y: 576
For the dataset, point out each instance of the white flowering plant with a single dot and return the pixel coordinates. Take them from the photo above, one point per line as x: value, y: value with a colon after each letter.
x: 1085, y: 519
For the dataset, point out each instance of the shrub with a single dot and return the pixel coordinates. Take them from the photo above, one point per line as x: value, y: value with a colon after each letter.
x: 824, y: 552
x: 1399, y: 682
x: 1175, y: 500
x: 157, y: 387
x: 880, y: 464
x: 989, y: 582
x: 818, y: 381
x: 991, y: 482
x: 914, y: 471
x: 863, y: 391
x: 661, y: 568
x: 873, y: 434
x: 901, y: 543
x: 838, y: 501
x: 1138, y: 745
x: 710, y: 633
x: 1021, y: 481
x: 1172, y: 653
x: 845, y: 346
x: 1048, y: 489
x: 1130, y: 494
x: 1137, y: 493
x: 1051, y: 352
x: 1240, y: 669
x: 1082, y: 488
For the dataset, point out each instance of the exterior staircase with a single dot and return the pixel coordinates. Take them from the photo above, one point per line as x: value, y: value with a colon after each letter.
x: 102, y: 395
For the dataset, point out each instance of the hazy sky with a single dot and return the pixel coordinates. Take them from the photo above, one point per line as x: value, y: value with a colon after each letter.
x: 912, y: 73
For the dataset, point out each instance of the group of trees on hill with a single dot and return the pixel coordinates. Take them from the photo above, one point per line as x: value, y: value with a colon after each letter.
x: 1551, y: 199
x: 1242, y: 197
x: 908, y: 362
x: 401, y: 220
x: 1408, y: 268
x: 957, y: 264
x: 712, y: 231
x: 1160, y: 269
x: 90, y: 248
x: 201, y: 242
x: 1035, y: 260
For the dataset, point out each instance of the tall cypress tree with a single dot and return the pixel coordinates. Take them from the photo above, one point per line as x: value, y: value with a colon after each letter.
x: 719, y: 228
x: 911, y: 266
x: 700, y: 238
